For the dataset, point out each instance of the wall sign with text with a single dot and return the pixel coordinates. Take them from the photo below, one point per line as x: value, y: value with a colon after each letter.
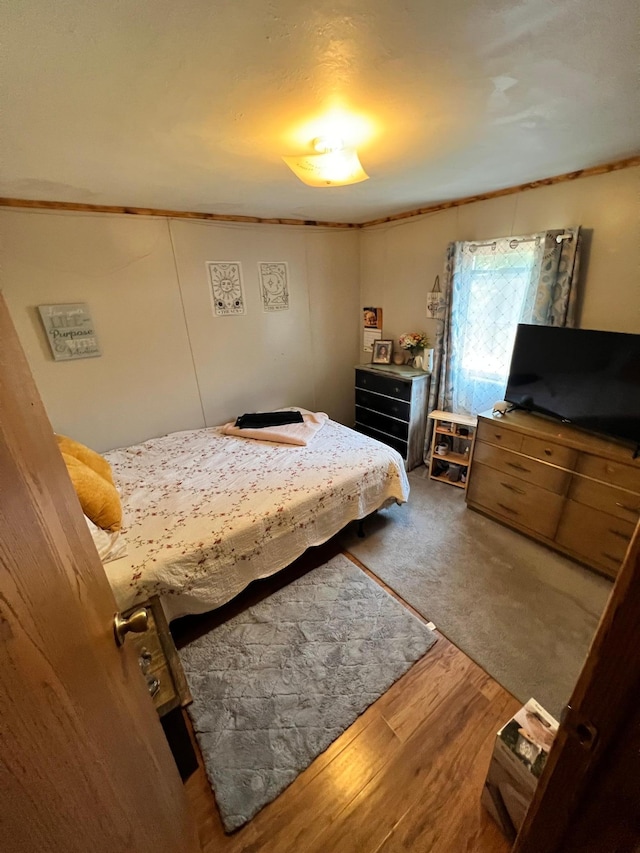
x: 70, y: 331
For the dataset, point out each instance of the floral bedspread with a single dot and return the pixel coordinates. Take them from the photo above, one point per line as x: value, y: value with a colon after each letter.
x: 206, y: 513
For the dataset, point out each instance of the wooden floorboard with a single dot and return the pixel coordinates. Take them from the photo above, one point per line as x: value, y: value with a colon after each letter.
x: 406, y: 776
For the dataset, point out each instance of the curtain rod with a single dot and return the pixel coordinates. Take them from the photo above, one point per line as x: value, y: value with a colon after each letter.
x: 559, y: 239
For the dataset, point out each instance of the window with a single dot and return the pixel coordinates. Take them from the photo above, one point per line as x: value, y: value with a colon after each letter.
x: 493, y: 291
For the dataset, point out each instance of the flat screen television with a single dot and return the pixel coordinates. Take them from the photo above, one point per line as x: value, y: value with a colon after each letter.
x: 587, y: 378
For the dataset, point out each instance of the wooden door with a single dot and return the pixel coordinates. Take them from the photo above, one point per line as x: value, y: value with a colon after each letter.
x: 588, y: 799
x: 84, y: 765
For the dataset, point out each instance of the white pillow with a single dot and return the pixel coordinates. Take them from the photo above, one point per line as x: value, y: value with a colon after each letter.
x: 109, y: 544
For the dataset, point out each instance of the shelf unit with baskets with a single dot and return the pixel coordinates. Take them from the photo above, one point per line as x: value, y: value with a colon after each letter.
x: 453, y: 435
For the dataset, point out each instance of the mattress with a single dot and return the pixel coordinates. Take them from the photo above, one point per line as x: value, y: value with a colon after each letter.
x: 205, y: 513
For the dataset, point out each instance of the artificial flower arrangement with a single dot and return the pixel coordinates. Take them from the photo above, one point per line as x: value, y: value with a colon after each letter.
x: 414, y: 342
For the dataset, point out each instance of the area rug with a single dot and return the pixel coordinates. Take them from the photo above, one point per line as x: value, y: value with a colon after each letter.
x: 523, y: 612
x: 278, y: 683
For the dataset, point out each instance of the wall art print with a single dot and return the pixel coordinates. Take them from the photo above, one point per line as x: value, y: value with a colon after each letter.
x: 274, y: 285
x: 70, y: 331
x: 227, y: 291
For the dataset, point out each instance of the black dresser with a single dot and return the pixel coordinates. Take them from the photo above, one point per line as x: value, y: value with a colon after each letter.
x: 391, y: 405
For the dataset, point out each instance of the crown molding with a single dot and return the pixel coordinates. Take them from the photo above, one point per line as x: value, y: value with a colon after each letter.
x: 603, y: 169
x: 627, y: 163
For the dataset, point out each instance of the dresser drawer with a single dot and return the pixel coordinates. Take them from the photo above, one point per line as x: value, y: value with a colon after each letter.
x: 565, y: 457
x: 159, y: 660
x: 493, y: 434
x: 155, y: 668
x: 609, y: 499
x: 391, y: 426
x: 514, y: 500
x: 380, y: 403
x: 614, y: 473
x: 148, y: 643
x: 166, y: 698
x: 599, y: 538
x: 395, y: 443
x: 537, y: 473
x: 389, y: 385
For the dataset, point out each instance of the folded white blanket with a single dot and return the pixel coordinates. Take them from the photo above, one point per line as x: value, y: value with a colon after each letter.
x: 300, y: 434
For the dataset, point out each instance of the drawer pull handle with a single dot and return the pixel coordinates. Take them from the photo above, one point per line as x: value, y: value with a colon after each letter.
x: 548, y: 451
x: 513, y: 488
x: 508, y: 509
x: 497, y: 435
x: 628, y: 508
x: 518, y: 467
x: 619, y: 533
x: 145, y: 661
x: 610, y: 557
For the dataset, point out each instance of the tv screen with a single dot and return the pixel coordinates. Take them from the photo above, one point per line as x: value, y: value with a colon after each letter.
x: 587, y: 378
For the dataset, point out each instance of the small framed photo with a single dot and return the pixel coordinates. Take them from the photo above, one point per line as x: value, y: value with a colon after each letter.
x: 372, y: 318
x: 382, y: 352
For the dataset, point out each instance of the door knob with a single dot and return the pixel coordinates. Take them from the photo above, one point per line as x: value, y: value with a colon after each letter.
x: 136, y: 623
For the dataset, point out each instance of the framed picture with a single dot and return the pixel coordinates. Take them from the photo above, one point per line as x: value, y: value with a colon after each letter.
x: 382, y: 352
x: 372, y: 318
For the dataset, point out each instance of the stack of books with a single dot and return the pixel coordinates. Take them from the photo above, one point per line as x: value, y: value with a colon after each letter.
x: 519, y: 755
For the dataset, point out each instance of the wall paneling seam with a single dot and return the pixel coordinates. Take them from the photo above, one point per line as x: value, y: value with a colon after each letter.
x: 186, y: 323
x: 311, y: 324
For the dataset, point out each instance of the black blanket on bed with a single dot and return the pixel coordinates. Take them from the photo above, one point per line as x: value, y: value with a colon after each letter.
x: 260, y: 420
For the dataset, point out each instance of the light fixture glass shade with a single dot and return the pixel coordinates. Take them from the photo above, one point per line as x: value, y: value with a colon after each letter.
x: 333, y: 169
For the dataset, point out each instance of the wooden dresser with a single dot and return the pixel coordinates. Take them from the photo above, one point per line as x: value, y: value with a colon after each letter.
x: 575, y: 492
x: 391, y: 405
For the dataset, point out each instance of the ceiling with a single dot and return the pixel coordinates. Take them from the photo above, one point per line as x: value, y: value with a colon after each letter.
x: 190, y: 105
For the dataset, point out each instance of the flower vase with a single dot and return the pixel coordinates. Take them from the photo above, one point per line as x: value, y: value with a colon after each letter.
x: 416, y: 358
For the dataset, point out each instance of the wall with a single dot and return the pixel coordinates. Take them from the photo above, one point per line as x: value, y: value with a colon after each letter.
x: 167, y: 362
x: 399, y: 261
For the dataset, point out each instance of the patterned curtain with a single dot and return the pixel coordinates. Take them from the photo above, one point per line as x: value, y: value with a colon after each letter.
x: 442, y: 343
x: 556, y: 293
x: 487, y: 289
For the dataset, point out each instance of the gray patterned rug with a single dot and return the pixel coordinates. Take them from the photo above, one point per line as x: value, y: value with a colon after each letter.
x: 278, y: 683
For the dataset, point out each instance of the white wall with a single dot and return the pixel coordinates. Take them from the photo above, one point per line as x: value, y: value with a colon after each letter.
x: 399, y: 261
x: 167, y: 362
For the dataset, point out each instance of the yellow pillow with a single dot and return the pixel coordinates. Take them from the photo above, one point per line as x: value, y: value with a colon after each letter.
x: 99, y: 499
x: 96, y: 462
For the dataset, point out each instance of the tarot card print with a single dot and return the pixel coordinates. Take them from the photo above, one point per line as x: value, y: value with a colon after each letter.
x: 227, y: 292
x: 274, y: 285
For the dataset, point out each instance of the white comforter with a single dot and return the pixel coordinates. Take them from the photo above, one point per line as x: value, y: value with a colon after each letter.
x: 206, y: 513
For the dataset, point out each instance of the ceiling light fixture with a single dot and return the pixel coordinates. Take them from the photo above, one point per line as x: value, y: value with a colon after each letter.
x: 333, y: 166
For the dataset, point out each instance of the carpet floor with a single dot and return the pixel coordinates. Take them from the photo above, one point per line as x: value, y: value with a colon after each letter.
x: 276, y: 684
x: 521, y: 611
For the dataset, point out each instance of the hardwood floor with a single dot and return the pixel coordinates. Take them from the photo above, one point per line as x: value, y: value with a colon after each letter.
x: 406, y: 776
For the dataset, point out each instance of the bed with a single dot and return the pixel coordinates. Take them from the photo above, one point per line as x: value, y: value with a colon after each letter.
x: 206, y: 513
